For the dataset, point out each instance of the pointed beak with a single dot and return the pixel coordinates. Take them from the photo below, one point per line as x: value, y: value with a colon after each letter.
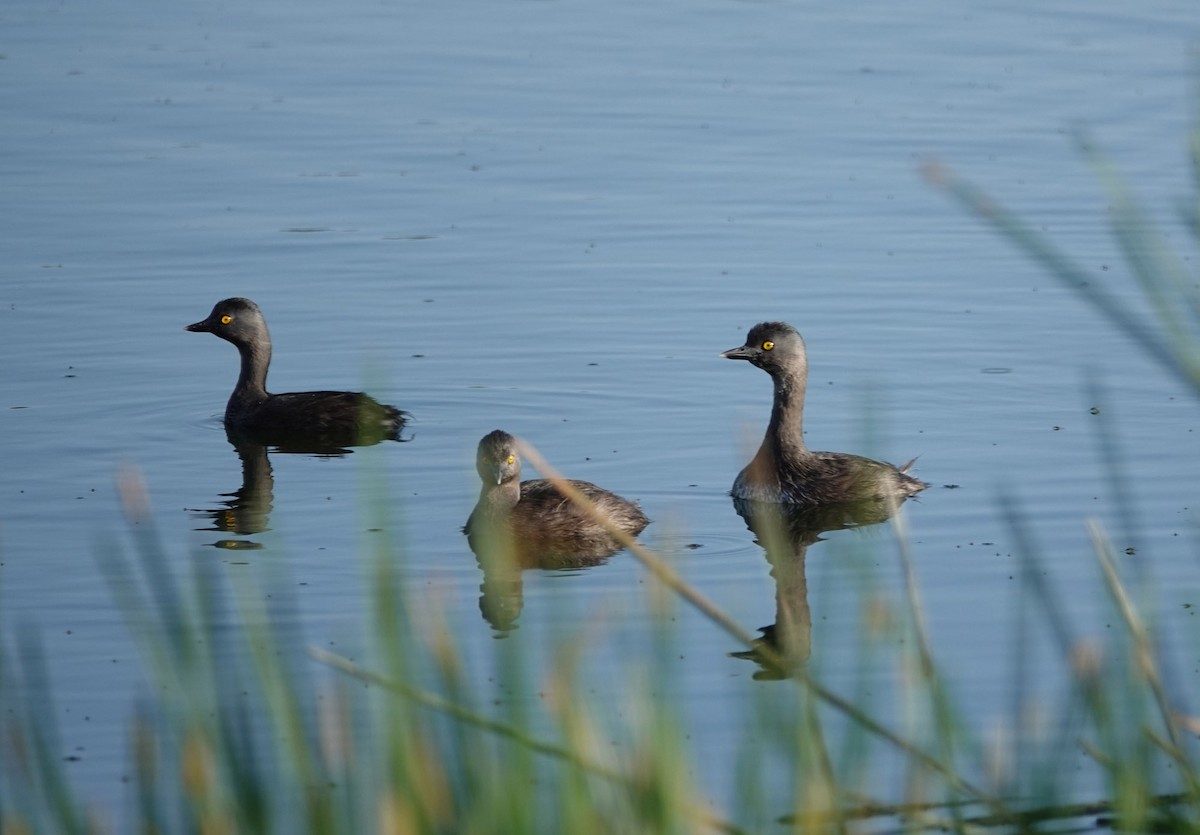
x: 742, y: 352
x: 199, y: 327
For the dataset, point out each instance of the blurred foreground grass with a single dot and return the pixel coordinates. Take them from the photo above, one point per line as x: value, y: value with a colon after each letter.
x: 247, y: 732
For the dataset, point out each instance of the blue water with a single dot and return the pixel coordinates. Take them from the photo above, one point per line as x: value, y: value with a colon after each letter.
x: 550, y: 218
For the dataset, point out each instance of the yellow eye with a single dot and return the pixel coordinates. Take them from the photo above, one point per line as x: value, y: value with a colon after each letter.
x: 511, y: 458
x: 768, y: 345
x: 226, y: 319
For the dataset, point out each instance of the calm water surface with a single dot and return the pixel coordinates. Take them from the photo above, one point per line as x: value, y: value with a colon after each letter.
x: 550, y: 218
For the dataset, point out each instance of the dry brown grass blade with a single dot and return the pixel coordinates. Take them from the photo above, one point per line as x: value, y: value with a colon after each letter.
x: 668, y: 576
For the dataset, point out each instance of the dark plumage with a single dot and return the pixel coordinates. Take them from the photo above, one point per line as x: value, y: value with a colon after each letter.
x: 784, y: 469
x: 541, y: 525
x: 333, y: 418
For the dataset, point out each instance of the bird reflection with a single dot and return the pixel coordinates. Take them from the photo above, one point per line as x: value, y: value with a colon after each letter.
x: 323, y: 443
x: 785, y: 533
x: 246, y: 511
x: 502, y: 561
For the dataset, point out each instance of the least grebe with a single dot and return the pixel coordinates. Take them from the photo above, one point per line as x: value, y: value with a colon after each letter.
x: 541, y: 525
x: 784, y: 469
x: 337, y: 417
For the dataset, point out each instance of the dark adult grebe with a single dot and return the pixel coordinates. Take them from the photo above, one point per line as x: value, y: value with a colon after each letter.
x: 784, y: 469
x: 346, y: 418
